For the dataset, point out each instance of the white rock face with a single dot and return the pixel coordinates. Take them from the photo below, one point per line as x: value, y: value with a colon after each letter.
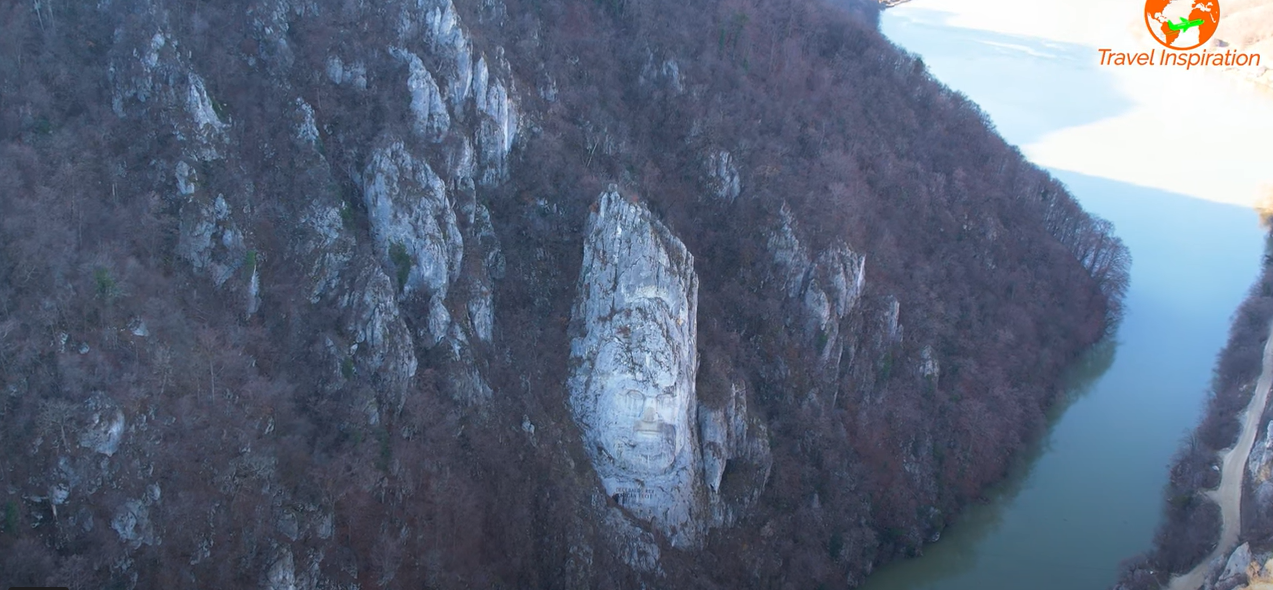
x: 448, y: 42
x: 1259, y: 463
x: 892, y: 319
x: 430, y: 114
x: 282, y: 573
x: 254, y: 291
x: 105, y: 428
x: 789, y: 254
x: 202, y: 115
x: 481, y: 307
x: 633, y: 366
x: 1238, y: 562
x: 728, y: 432
x: 834, y: 285
x: 439, y: 322
x: 185, y: 179
x: 723, y: 176
x: 328, y: 247
x: 665, y: 74
x: 306, y: 128
x: 204, y: 131
x: 385, y: 349
x: 132, y: 524
x: 929, y: 367
x: 412, y: 220
x: 733, y: 439
x: 497, y: 124
x: 829, y: 286
x: 353, y: 74
x: 210, y: 240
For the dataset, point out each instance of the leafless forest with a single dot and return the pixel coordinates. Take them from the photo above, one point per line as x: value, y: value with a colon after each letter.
x: 253, y: 450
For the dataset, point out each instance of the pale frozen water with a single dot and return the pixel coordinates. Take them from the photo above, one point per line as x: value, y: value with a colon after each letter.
x: 1090, y: 495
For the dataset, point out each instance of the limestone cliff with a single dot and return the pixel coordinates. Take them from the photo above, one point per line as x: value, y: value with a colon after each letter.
x: 825, y: 287
x: 633, y: 366
x: 302, y: 295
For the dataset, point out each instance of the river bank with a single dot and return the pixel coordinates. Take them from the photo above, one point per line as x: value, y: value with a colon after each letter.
x: 1087, y: 499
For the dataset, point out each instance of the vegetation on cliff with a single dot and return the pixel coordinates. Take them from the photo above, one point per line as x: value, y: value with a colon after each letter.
x: 208, y: 350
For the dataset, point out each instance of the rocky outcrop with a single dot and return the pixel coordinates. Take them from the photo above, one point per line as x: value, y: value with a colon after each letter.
x: 413, y: 227
x: 282, y: 573
x: 1241, y: 569
x: 132, y: 524
x: 1259, y: 464
x: 104, y: 427
x: 210, y: 240
x: 892, y: 320
x: 662, y: 74
x: 661, y: 452
x: 381, y: 346
x: 431, y: 119
x: 929, y: 367
x: 723, y: 177
x: 497, y: 120
x: 151, y: 78
x: 736, y: 440
x: 354, y: 74
x: 825, y: 288
x: 633, y: 365
x: 453, y: 50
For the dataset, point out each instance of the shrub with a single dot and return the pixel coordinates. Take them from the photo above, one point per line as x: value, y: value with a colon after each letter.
x: 401, y: 261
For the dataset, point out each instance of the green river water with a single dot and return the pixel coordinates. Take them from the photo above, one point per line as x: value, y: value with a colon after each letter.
x: 1089, y: 495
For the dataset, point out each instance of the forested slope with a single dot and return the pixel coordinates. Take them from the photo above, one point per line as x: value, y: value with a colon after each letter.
x: 302, y: 294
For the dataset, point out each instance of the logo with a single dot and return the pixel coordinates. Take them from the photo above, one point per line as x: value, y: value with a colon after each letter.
x: 1182, y: 24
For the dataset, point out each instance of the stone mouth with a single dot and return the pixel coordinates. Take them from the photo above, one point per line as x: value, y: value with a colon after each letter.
x: 651, y: 430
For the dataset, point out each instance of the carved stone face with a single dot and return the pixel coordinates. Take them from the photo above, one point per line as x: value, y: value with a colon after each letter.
x: 633, y: 361
x: 642, y: 399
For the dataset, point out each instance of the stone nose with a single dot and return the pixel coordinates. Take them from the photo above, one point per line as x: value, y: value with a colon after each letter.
x: 649, y: 413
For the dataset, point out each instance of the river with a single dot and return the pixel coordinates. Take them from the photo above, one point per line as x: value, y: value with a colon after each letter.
x: 1089, y: 495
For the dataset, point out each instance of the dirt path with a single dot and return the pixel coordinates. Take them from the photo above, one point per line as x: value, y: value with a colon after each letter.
x: 1229, y: 494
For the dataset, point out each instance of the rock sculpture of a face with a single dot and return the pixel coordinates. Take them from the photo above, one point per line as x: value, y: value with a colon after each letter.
x: 633, y: 365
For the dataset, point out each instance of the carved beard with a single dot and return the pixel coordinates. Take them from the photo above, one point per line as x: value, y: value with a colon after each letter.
x: 651, y: 448
x: 638, y: 443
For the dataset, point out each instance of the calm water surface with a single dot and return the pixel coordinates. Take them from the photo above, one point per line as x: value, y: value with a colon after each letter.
x: 1089, y: 495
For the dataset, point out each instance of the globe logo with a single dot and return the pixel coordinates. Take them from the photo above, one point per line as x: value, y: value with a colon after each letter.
x: 1182, y: 24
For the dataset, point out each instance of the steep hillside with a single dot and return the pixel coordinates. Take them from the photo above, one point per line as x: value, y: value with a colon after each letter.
x: 520, y: 293
x: 1207, y: 540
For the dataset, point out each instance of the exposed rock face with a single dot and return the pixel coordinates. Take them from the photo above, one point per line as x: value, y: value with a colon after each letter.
x: 929, y: 367
x: 892, y: 319
x: 1259, y: 474
x: 1237, y: 562
x: 828, y: 287
x: 1260, y: 462
x: 449, y: 43
x: 132, y: 524
x: 105, y: 426
x: 665, y: 74
x: 431, y: 117
x: 723, y: 176
x: 730, y: 434
x: 282, y: 574
x: 382, y: 346
x: 497, y: 126
x: 354, y: 74
x: 633, y: 366
x: 412, y: 223
x: 210, y: 240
